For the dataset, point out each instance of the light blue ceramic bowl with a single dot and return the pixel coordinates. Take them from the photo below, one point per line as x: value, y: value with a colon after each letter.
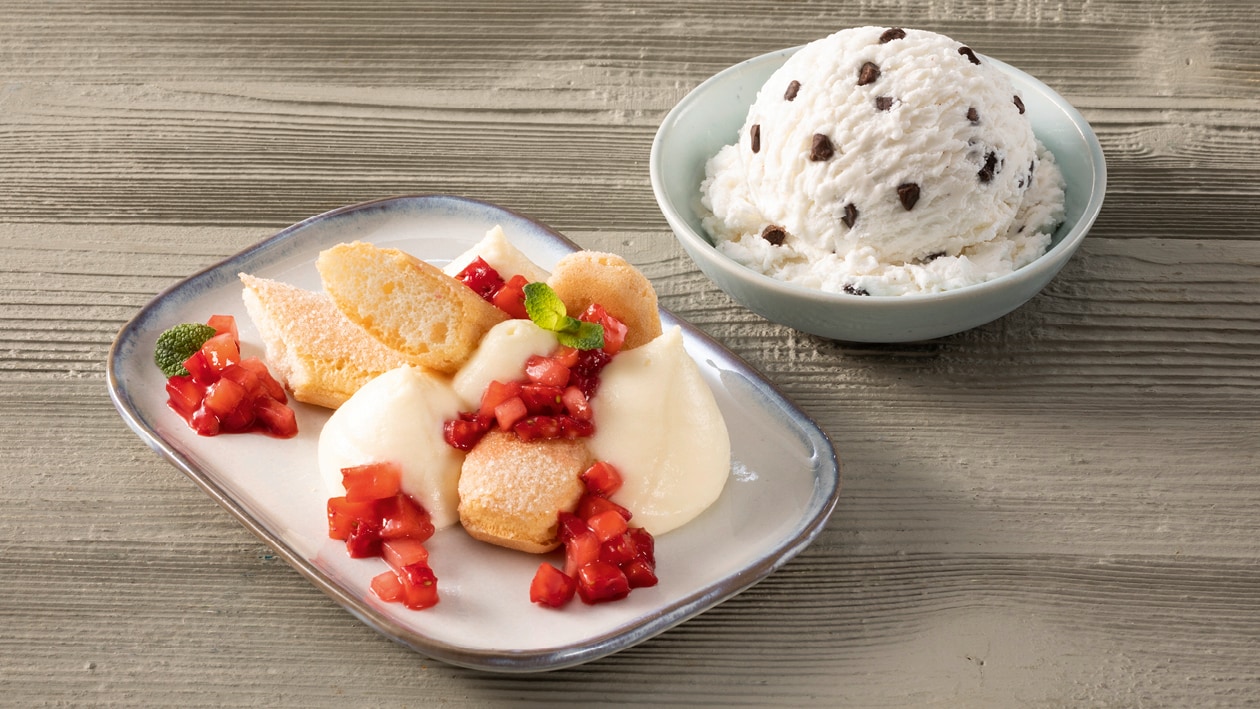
x: 711, y: 116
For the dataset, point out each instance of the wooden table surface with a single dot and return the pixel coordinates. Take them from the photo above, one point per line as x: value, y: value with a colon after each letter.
x: 1059, y: 508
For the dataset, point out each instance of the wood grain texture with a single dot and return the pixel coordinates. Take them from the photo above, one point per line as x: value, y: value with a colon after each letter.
x: 1055, y: 509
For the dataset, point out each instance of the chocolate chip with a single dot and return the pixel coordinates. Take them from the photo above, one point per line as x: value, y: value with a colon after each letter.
x: 883, y: 103
x: 973, y: 115
x: 850, y: 215
x: 868, y: 74
x: 792, y: 89
x: 754, y: 135
x: 854, y: 290
x: 821, y: 149
x: 966, y: 52
x: 774, y: 234
x: 892, y: 33
x: 933, y: 256
x: 908, y: 193
x: 1020, y: 105
x: 990, y: 167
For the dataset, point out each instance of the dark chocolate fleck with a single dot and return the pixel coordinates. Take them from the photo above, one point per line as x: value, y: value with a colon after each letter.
x: 850, y: 215
x: 892, y: 33
x: 908, y: 193
x: 754, y: 135
x: 971, y: 56
x: 868, y: 74
x: 854, y: 290
x: 973, y: 115
x: 933, y: 256
x: 774, y: 234
x: 821, y: 149
x: 1019, y: 104
x: 883, y: 103
x: 990, y: 167
x: 792, y: 89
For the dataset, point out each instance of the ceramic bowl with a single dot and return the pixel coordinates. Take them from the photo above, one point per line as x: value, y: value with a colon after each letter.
x: 711, y: 116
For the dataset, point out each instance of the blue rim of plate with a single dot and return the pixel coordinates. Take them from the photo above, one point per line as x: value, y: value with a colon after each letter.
x: 821, y: 505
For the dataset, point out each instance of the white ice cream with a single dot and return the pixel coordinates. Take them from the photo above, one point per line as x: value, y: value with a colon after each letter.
x: 888, y: 162
x: 398, y: 417
x: 656, y: 421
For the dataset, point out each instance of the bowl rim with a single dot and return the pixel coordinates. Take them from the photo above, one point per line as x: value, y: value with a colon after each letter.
x: 1057, y: 254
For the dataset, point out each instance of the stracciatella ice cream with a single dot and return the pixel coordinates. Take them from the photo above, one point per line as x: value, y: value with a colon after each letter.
x: 882, y: 161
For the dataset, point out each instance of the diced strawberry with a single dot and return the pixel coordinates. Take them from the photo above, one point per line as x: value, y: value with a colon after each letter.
x: 537, y: 427
x: 576, y: 404
x: 404, y: 518
x: 580, y: 550
x: 511, y: 298
x: 607, y: 525
x: 464, y: 432
x: 204, y: 422
x: 551, y: 587
x: 568, y: 356
x: 276, y: 417
x: 496, y: 393
x: 224, y: 323
x: 372, y: 481
x: 599, y: 582
x: 639, y: 573
x: 240, y: 419
x: 403, y: 552
x: 364, y: 539
x: 200, y: 370
x: 618, y: 550
x: 644, y: 544
x: 420, y: 586
x: 601, y: 479
x: 481, y: 277
x: 273, y: 388
x: 574, y: 428
x: 246, y: 378
x: 388, y: 587
x: 184, y: 394
x: 224, y: 397
x: 343, y: 515
x: 614, y: 329
x: 545, y: 370
x: 221, y: 350
x: 569, y: 526
x: 591, y: 505
x: 542, y: 399
x: 509, y: 412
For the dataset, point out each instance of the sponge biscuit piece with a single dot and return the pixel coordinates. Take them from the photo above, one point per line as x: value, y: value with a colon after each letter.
x: 511, y: 491
x: 407, y: 304
x: 586, y: 277
x: 319, y: 355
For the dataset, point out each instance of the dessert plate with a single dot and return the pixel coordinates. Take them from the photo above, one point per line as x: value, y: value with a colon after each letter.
x: 783, y: 485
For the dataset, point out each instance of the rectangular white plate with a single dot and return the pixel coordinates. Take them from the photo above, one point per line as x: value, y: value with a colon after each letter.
x: 784, y: 482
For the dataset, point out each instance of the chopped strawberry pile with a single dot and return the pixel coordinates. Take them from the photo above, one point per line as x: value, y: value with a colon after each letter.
x: 226, y: 393
x: 551, y: 401
x: 376, y: 518
x: 604, y: 557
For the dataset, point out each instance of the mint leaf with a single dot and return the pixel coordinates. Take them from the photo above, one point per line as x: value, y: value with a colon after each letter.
x: 586, y: 336
x: 547, y: 311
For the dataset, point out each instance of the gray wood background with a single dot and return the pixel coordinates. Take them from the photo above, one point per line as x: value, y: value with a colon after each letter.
x: 1056, y: 509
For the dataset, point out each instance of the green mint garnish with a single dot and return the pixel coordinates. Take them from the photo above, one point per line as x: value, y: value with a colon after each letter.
x: 547, y: 311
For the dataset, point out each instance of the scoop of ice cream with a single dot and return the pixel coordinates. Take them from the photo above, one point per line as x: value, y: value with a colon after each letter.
x: 884, y: 161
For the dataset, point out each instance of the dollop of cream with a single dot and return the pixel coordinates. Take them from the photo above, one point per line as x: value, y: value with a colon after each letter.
x: 501, y: 357
x: 495, y: 249
x: 398, y: 417
x: 657, y: 422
